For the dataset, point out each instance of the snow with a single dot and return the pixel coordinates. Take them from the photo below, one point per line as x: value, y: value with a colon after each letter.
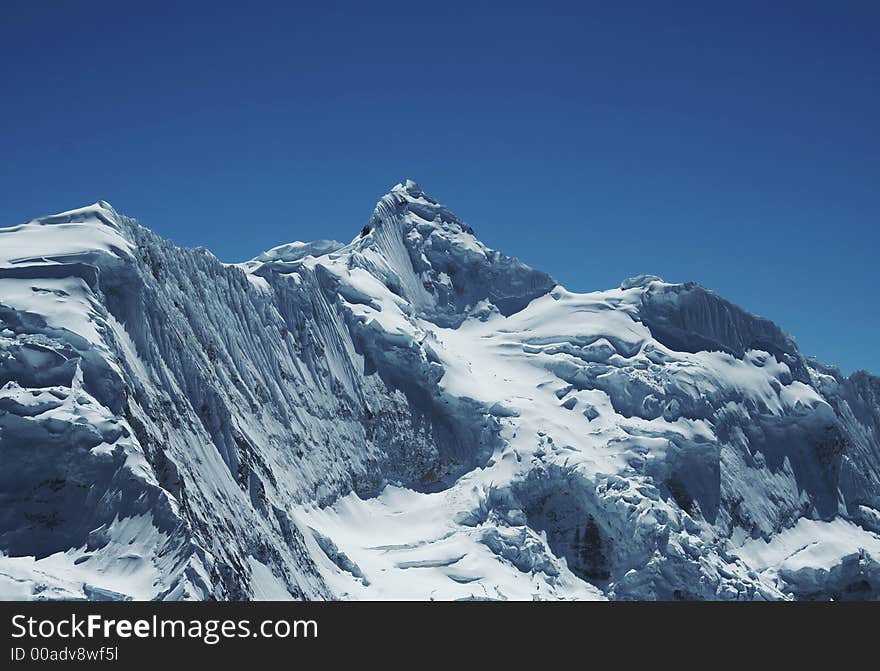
x: 817, y: 558
x: 294, y: 251
x: 122, y: 569
x: 65, y: 303
x: 265, y: 585
x: 63, y: 236
x: 407, y: 546
x: 411, y: 415
x: 815, y: 543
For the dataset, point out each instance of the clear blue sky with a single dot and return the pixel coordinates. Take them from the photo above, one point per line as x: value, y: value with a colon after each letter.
x: 735, y: 144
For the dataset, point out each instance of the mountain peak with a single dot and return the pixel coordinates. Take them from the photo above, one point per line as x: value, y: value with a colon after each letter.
x: 411, y: 188
x: 407, y: 204
x: 426, y: 253
x: 99, y: 212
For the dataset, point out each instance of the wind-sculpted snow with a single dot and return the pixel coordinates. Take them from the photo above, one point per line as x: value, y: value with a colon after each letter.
x: 411, y: 415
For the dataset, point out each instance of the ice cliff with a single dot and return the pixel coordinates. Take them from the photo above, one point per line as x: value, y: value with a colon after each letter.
x: 411, y: 415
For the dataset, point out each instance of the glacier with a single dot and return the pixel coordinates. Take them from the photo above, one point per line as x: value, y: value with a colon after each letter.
x: 410, y: 416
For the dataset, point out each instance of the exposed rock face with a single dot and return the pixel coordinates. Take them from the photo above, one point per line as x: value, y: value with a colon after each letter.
x: 410, y: 415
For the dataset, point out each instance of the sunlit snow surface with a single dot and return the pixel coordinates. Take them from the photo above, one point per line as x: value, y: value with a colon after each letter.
x: 409, y: 416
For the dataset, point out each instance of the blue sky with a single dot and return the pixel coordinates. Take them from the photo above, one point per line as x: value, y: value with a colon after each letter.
x: 734, y: 144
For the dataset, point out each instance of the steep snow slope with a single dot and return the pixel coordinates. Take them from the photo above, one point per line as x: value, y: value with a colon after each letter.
x: 411, y: 415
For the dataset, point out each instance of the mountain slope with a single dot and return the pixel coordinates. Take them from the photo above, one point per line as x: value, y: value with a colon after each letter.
x: 411, y: 415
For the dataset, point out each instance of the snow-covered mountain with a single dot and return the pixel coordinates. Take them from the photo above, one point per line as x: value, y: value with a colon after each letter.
x: 409, y: 416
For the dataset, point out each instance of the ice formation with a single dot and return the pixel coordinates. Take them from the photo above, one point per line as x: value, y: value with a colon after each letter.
x: 411, y: 415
